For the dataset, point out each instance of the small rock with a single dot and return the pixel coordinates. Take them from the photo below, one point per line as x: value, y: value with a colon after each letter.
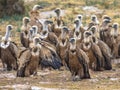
x: 94, y: 80
x: 114, y: 79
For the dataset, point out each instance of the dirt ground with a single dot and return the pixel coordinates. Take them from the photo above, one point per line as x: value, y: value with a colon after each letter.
x: 60, y: 80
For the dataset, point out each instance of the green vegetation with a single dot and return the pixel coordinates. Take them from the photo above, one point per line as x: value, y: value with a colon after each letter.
x: 72, y: 7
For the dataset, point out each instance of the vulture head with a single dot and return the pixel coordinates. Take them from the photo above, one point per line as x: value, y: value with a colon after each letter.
x: 72, y: 48
x: 106, y: 17
x: 115, y: 26
x: 45, y: 31
x: 26, y: 20
x: 80, y: 17
x: 35, y: 29
x: 94, y: 19
x: 93, y: 29
x: 37, y: 7
x: 58, y: 12
x: 87, y: 40
x: 114, y: 31
x: 64, y: 36
x: 31, y: 33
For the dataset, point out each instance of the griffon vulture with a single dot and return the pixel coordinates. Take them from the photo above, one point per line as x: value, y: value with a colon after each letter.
x: 105, y: 30
x: 24, y: 36
x: 63, y: 41
x: 77, y: 61
x: 93, y: 51
x: 104, y: 49
x: 58, y: 22
x: 94, y: 22
x: 48, y: 36
x: 29, y: 60
x: 115, y: 40
x: 8, y: 51
x: 35, y: 16
x: 78, y: 30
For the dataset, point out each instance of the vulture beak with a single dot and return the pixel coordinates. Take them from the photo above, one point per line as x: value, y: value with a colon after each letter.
x: 106, y: 17
x: 76, y: 22
x: 65, y: 29
x: 87, y: 34
x: 107, y: 21
x: 26, y: 19
x: 48, y: 22
x: 37, y: 7
x: 93, y: 29
x: 72, y: 40
x: 72, y: 45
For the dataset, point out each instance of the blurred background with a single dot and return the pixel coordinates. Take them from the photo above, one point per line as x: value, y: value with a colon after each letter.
x: 12, y: 11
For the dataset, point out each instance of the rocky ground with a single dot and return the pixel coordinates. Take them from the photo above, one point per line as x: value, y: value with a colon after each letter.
x: 60, y: 80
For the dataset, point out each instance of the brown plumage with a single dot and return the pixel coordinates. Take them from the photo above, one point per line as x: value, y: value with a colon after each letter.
x: 35, y: 16
x: 93, y: 51
x: 58, y: 22
x: 106, y: 52
x: 49, y: 56
x: 29, y: 60
x: 94, y: 22
x: 8, y: 51
x: 78, y: 31
x: 24, y: 35
x: 63, y: 44
x: 48, y: 36
x: 77, y: 61
x: 115, y: 40
x: 105, y: 30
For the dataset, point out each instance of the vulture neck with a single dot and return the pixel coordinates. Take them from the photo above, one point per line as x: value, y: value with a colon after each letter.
x: 77, y: 27
x: 7, y: 35
x: 25, y: 24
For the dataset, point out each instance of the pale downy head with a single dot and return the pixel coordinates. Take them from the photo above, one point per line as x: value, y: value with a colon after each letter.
x: 94, y: 18
x: 77, y: 23
x: 106, y: 17
x: 114, y: 31
x: 72, y: 42
x: 36, y: 40
x: 93, y: 29
x: 64, y: 31
x: 35, y: 29
x: 37, y: 7
x: 80, y: 17
x: 31, y: 33
x: 87, y: 36
x: 106, y: 21
x: 116, y: 26
x: 64, y: 36
x: 26, y: 20
x: 58, y: 12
